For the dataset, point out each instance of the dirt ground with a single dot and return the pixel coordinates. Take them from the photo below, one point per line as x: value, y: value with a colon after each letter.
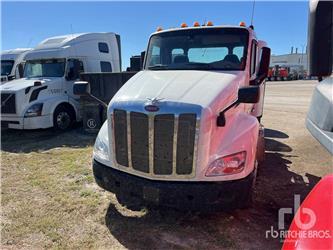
x: 49, y: 198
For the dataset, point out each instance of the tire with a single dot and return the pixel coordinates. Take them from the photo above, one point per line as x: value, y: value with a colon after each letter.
x: 63, y: 118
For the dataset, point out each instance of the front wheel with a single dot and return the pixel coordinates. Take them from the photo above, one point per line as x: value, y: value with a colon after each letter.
x: 63, y: 118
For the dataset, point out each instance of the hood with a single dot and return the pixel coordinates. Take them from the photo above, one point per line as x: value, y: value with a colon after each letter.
x: 23, y: 83
x: 192, y: 87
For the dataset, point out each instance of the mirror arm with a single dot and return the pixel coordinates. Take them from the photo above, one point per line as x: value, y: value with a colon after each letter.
x: 220, y: 121
x: 98, y: 100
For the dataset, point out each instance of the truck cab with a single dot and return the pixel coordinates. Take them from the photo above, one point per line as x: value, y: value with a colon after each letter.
x: 12, y: 64
x: 185, y: 130
x: 44, y: 97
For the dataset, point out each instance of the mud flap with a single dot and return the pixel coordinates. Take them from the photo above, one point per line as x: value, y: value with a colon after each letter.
x: 261, y: 145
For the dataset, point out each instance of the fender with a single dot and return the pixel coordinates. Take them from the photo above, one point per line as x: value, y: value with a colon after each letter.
x: 242, y: 135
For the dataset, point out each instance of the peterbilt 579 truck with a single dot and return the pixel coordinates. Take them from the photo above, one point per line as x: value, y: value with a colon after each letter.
x: 185, y: 131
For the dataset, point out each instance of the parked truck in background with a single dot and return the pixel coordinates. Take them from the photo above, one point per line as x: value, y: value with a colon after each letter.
x: 12, y: 64
x: 44, y: 97
x: 185, y: 130
x: 319, y: 120
x: 286, y: 73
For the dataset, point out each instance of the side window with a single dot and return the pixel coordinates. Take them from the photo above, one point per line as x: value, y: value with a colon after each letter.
x: 74, y: 68
x: 106, y: 67
x: 253, y: 57
x: 103, y: 47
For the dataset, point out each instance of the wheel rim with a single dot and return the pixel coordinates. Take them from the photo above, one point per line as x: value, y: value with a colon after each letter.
x: 63, y: 120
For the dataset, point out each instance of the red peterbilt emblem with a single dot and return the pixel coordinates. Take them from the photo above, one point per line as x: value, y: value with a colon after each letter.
x: 151, y: 106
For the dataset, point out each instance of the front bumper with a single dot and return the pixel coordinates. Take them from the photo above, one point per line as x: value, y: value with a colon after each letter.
x: 37, y: 122
x: 177, y: 194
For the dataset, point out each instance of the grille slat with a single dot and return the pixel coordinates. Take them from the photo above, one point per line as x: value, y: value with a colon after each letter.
x: 163, y: 143
x: 139, y: 141
x: 159, y: 145
x: 120, y: 132
x: 8, y: 103
x: 185, y: 143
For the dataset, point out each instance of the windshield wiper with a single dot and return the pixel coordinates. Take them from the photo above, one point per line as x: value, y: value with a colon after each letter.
x: 158, y: 67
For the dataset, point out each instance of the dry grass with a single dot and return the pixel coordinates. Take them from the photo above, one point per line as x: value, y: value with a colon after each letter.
x: 50, y: 200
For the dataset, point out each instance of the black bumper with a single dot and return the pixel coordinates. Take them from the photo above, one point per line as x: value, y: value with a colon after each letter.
x: 178, y: 194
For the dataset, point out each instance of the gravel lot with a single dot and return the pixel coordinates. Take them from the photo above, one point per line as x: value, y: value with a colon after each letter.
x: 49, y: 198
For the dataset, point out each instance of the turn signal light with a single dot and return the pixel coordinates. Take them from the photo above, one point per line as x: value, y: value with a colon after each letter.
x: 159, y: 29
x: 227, y: 165
x: 242, y: 24
x: 196, y: 24
x: 209, y: 23
x: 183, y: 25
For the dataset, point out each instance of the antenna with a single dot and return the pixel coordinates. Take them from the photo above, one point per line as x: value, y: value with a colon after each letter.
x: 253, y: 5
x: 30, y: 40
x: 71, y: 29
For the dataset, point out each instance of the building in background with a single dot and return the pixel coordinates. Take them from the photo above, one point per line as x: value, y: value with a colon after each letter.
x: 289, y: 66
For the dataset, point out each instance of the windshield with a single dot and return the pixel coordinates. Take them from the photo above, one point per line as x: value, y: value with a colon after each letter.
x: 6, y: 67
x: 44, y: 68
x: 199, y: 49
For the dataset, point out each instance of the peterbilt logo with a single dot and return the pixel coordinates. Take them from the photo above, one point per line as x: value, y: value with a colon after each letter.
x: 152, y: 104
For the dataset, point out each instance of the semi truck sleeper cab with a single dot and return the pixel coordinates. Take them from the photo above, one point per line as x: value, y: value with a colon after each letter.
x: 185, y: 131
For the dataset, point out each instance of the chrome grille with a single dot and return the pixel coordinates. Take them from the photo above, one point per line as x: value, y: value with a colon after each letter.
x: 157, y: 145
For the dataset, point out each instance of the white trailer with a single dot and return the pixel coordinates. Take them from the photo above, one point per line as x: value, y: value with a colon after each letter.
x: 12, y: 64
x: 44, y: 97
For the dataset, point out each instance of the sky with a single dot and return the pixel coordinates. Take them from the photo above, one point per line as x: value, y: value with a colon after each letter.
x: 25, y: 24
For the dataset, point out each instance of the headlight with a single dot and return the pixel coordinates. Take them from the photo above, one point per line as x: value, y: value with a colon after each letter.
x: 101, y: 148
x: 34, y: 110
x: 227, y: 165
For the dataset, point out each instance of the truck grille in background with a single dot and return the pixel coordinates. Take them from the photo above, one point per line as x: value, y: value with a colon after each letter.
x: 8, y: 103
x: 162, y: 144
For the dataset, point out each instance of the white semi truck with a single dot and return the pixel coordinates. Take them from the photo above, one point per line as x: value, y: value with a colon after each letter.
x: 12, y: 62
x: 185, y: 131
x: 44, y: 97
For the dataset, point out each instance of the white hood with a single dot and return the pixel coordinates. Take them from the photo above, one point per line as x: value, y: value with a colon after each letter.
x: 192, y: 87
x: 22, y: 83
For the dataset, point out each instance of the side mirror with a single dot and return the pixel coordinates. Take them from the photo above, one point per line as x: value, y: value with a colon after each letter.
x: 20, y: 69
x: 264, y: 62
x: 250, y: 94
x: 81, y: 88
x: 320, y: 37
x: 263, y: 66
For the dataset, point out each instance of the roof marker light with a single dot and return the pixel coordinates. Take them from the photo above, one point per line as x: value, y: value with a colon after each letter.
x: 159, y: 29
x: 242, y: 24
x: 209, y: 23
x: 196, y: 24
x: 183, y: 25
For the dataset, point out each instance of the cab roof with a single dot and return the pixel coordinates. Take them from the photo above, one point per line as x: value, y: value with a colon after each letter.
x: 68, y: 40
x: 203, y: 27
